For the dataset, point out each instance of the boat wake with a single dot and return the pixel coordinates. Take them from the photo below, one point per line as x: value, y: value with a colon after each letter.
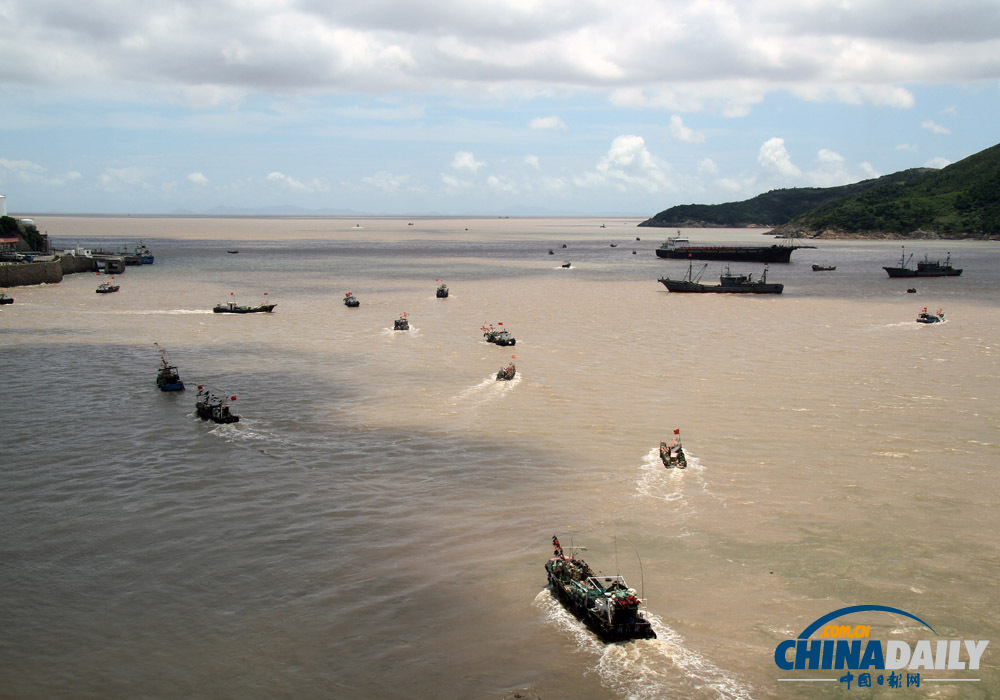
x: 648, y: 668
x: 656, y: 481
x: 487, y: 390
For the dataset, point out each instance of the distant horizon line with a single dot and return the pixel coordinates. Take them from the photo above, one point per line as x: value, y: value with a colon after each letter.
x: 318, y: 215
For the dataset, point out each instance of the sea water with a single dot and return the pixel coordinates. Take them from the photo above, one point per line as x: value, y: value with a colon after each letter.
x: 377, y: 523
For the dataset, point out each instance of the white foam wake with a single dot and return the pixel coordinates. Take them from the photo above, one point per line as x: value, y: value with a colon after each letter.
x: 647, y: 669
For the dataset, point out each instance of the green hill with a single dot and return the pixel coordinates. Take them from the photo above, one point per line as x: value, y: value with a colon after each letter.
x: 961, y: 200
x: 770, y: 209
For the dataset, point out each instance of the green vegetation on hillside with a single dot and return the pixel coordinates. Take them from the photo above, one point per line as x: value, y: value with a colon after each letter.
x: 962, y: 199
x: 770, y: 209
x: 12, y: 228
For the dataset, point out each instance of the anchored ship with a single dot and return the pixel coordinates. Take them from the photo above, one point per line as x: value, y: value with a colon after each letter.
x: 679, y: 247
x: 728, y: 283
x: 927, y: 268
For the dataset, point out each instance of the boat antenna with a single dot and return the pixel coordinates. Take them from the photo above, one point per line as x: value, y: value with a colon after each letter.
x: 618, y: 570
x: 642, y: 579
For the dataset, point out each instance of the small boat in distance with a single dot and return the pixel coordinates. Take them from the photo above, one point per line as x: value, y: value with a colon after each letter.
x: 442, y: 292
x: 566, y: 264
x: 233, y: 308
x: 208, y: 406
x: 107, y: 287
x: 911, y: 290
x: 351, y: 301
x: 498, y: 336
x: 925, y: 317
x: 401, y: 324
x: 232, y: 252
x: 605, y: 604
x: 728, y: 284
x: 4, y: 299
x: 927, y: 268
x: 506, y: 373
x: 823, y: 268
x: 672, y: 455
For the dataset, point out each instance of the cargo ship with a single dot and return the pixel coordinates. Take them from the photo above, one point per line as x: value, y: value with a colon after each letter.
x: 678, y: 247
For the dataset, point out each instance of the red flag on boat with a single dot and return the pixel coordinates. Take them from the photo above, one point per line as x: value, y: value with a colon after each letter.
x: 232, y: 398
x: 677, y: 431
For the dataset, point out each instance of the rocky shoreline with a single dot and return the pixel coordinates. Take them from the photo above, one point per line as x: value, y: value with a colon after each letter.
x: 919, y: 234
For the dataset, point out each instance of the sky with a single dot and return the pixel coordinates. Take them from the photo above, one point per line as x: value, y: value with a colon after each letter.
x: 467, y: 107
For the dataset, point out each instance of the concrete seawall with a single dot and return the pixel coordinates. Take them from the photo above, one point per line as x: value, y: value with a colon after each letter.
x: 23, y: 274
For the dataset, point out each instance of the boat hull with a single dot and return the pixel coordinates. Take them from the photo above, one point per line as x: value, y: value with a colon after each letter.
x: 640, y: 629
x: 685, y: 287
x: 263, y: 308
x: 909, y: 272
x: 764, y: 254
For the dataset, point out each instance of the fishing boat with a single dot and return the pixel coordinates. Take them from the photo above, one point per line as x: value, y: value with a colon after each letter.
x: 231, y: 307
x: 208, y: 406
x: 605, y: 604
x: 401, y: 324
x: 728, y: 283
x: 4, y: 299
x: 926, y: 317
x: 351, y: 301
x: 145, y: 254
x: 106, y: 288
x: 566, y: 264
x: 672, y: 455
x: 911, y: 290
x: 442, y: 292
x: 824, y: 268
x: 679, y: 247
x: 233, y: 252
x: 506, y: 373
x: 167, y: 376
x: 498, y: 336
x: 927, y: 268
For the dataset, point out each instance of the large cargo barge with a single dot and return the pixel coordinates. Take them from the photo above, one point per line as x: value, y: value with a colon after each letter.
x: 681, y: 248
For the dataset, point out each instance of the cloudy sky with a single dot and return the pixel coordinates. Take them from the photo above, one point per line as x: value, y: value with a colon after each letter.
x: 587, y: 107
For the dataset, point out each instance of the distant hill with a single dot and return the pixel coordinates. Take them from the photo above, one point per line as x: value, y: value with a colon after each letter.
x: 770, y: 209
x: 959, y: 201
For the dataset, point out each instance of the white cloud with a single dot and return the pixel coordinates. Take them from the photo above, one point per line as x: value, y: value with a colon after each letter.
x: 454, y: 185
x: 552, y: 122
x: 683, y: 133
x: 501, y: 184
x: 35, y: 174
x: 831, y: 170
x: 774, y: 158
x: 627, y: 164
x: 938, y: 162
x: 308, y: 186
x: 198, y: 178
x: 464, y: 160
x: 386, y: 181
x: 532, y: 161
x: 114, y: 179
x: 907, y: 147
x: 707, y: 167
x: 934, y: 127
